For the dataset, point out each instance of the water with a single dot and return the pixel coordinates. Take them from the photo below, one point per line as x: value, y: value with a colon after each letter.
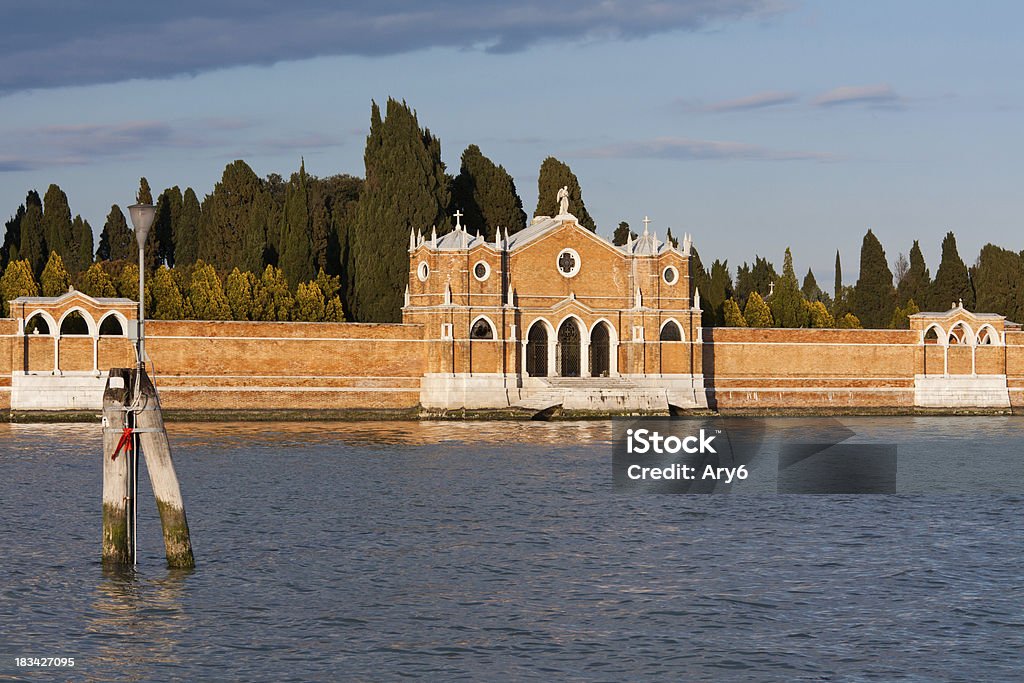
x: 498, y: 551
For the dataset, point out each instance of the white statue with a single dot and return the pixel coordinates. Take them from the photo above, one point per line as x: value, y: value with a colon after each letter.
x: 563, y: 201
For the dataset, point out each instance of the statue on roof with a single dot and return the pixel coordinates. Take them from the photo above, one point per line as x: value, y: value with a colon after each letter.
x: 563, y: 200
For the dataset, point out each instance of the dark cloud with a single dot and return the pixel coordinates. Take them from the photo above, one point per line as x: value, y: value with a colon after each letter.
x: 686, y: 149
x: 882, y: 96
x: 52, y: 43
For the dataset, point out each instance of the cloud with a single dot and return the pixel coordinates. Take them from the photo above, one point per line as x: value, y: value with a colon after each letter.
x: 51, y: 43
x: 686, y: 149
x: 880, y: 96
x: 772, y: 98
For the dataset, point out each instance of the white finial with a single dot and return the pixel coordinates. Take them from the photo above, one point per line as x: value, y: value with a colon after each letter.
x: 629, y: 243
x: 462, y: 238
x: 406, y: 296
x: 412, y: 239
x: 448, y: 293
x: 646, y: 222
x: 510, y: 299
x: 458, y: 215
x: 687, y: 244
x: 433, y: 237
x: 505, y: 244
x: 639, y: 298
x: 497, y: 240
x: 478, y: 234
x: 696, y: 298
x: 961, y: 302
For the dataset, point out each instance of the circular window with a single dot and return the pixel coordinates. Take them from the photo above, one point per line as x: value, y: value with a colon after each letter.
x: 481, y: 271
x: 423, y: 271
x: 670, y: 275
x: 568, y: 262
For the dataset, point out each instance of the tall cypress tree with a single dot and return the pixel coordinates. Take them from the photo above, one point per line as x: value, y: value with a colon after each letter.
x: 144, y: 195
x: 952, y: 281
x: 719, y: 290
x: 186, y: 230
x: 622, y: 234
x: 80, y: 254
x: 405, y: 189
x: 917, y: 281
x: 554, y: 175
x: 168, y: 213
x: 12, y: 238
x: 116, y: 240
x: 837, y: 290
x: 234, y: 217
x: 810, y: 288
x: 57, y: 231
x: 33, y: 241
x: 296, y: 258
x: 486, y: 193
x: 874, y: 297
x: 787, y: 303
x: 998, y: 279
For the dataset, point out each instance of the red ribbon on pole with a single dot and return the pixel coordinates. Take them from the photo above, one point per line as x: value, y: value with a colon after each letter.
x: 124, y: 442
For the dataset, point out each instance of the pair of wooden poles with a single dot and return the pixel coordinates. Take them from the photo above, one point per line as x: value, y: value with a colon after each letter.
x: 130, y: 401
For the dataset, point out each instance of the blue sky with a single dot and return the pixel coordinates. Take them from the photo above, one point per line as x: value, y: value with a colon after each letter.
x: 752, y: 124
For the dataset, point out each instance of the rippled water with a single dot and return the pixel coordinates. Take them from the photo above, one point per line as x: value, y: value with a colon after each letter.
x: 498, y: 551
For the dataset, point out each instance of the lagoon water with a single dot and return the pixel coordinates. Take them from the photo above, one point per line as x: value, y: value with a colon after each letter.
x: 499, y: 551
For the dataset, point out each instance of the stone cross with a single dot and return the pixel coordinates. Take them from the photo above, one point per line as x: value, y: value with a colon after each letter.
x: 458, y: 214
x: 646, y: 223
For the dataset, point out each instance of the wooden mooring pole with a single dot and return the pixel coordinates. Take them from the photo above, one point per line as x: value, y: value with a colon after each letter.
x: 130, y: 399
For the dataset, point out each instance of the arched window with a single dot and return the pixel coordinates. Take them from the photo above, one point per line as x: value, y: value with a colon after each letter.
x: 537, y: 350
x: 670, y: 332
x: 37, y: 325
x: 73, y: 324
x: 111, y: 327
x: 932, y: 335
x: 481, y: 329
x: 958, y: 335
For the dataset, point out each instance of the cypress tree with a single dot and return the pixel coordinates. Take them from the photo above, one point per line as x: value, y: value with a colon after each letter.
x: 787, y: 303
x: 309, y: 303
x: 33, y: 242
x: 296, y: 248
x: 81, y: 253
x: 757, y: 313
x: 97, y: 282
x: 719, y: 289
x: 167, y: 300
x: 405, y: 189
x: 116, y: 241
x: 234, y: 219
x: 731, y: 315
x: 874, y: 296
x: 144, y: 195
x: 239, y: 291
x: 622, y: 234
x: 554, y: 175
x: 952, y: 281
x: 486, y: 193
x: 206, y: 294
x: 998, y: 278
x: 12, y: 238
x: 818, y: 316
x: 810, y: 288
x: 757, y: 278
x: 917, y: 280
x: 275, y: 301
x: 701, y: 280
x: 55, y: 279
x: 58, y: 234
x: 837, y: 290
x: 185, y: 230
x: 168, y: 213
x: 17, y: 281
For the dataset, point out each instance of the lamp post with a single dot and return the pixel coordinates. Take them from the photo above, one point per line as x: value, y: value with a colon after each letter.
x: 142, y: 220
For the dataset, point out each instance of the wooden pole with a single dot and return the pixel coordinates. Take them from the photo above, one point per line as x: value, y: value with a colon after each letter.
x: 157, y: 451
x: 116, y: 542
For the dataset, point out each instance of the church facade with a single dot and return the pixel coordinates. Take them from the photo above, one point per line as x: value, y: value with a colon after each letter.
x: 555, y: 314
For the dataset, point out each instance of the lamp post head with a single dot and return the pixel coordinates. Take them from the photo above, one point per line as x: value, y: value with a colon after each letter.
x: 142, y: 220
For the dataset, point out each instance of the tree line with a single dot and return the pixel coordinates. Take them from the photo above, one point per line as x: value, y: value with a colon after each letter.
x: 274, y: 245
x: 350, y: 230
x: 882, y: 298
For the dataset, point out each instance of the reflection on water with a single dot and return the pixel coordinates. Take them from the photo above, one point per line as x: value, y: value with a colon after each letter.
x: 137, y: 623
x: 498, y: 550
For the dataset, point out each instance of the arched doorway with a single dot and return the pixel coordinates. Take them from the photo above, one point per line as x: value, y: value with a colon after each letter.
x: 600, y: 351
x: 568, y: 350
x: 537, y: 350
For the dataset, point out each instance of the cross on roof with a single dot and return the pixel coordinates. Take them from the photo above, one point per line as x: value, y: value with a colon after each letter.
x: 458, y: 214
x: 646, y: 223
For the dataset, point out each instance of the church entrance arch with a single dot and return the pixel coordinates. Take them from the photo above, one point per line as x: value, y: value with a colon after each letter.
x: 537, y: 350
x: 568, y: 350
x: 600, y: 350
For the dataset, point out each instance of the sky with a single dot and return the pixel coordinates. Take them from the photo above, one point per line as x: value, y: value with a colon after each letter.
x: 752, y: 124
